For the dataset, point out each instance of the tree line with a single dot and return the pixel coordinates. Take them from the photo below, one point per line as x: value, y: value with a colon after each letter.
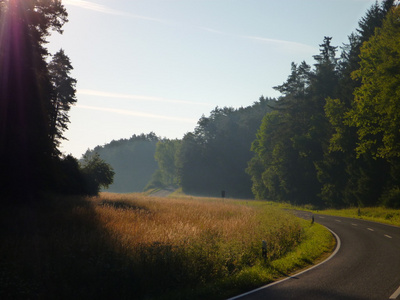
x: 331, y: 139
x: 35, y: 97
x: 206, y: 161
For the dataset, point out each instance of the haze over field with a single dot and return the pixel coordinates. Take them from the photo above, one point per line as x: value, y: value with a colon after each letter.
x: 158, y: 65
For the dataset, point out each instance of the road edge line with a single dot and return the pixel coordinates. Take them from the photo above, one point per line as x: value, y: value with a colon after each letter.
x: 395, y: 294
x: 338, y: 245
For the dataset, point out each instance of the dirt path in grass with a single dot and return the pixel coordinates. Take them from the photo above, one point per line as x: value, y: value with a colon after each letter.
x: 163, y: 193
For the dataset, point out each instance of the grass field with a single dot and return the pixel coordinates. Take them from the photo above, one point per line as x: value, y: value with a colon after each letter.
x: 137, y: 247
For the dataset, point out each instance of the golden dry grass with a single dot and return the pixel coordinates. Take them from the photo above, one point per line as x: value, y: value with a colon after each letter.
x: 142, y: 220
x: 132, y: 246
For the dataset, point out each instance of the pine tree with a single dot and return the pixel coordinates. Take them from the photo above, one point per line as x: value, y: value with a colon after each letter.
x: 63, y: 96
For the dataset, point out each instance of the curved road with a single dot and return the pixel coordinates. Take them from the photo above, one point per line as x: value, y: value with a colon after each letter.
x: 365, y: 266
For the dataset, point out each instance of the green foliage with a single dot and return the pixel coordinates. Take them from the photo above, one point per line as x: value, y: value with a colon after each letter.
x: 266, y: 168
x: 344, y: 176
x: 166, y: 157
x: 156, y: 182
x: 292, y: 139
x: 305, y: 151
x: 391, y: 198
x: 352, y: 172
x: 376, y: 109
x: 97, y: 173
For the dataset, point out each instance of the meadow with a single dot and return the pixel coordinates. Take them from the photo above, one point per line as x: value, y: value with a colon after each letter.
x: 132, y: 246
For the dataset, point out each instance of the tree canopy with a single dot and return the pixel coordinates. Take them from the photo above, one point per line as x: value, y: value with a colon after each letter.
x: 376, y: 109
x: 97, y: 173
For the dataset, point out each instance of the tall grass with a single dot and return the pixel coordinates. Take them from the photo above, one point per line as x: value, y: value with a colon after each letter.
x: 138, y: 247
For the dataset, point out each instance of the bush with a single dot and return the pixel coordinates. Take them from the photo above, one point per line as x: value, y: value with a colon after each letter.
x: 97, y: 173
x: 391, y: 198
x: 70, y: 179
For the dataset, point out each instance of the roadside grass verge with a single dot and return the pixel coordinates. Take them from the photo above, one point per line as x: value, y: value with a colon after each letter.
x: 377, y: 214
x: 130, y: 246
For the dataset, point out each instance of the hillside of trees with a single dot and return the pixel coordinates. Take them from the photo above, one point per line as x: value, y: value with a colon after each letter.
x: 131, y: 159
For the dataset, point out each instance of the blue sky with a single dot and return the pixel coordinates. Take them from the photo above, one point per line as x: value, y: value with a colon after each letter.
x: 159, y: 65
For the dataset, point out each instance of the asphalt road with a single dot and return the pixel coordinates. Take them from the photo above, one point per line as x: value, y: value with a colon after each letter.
x: 365, y: 265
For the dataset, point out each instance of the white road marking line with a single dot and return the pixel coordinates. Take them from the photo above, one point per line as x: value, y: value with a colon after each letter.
x: 388, y: 236
x: 338, y: 221
x: 321, y: 217
x: 354, y: 224
x: 395, y: 294
x: 370, y: 229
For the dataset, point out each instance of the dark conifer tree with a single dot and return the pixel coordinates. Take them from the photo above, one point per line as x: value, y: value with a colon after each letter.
x: 25, y: 94
x: 63, y: 96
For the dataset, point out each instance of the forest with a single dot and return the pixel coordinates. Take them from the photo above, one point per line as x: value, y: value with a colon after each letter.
x: 331, y: 139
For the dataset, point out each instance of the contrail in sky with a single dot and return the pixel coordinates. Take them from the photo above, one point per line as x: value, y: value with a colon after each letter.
x: 136, y: 97
x: 286, y: 44
x: 289, y: 45
x: 107, y: 10
x: 136, y: 113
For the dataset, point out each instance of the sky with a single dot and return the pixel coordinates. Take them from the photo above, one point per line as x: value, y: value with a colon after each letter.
x: 158, y: 65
